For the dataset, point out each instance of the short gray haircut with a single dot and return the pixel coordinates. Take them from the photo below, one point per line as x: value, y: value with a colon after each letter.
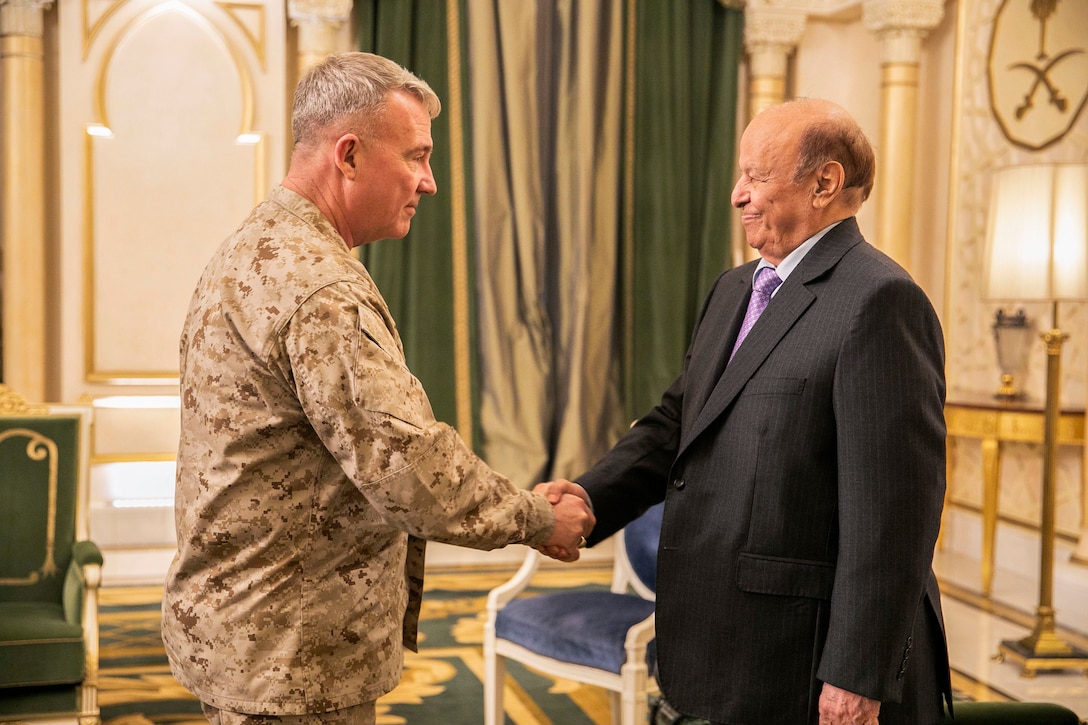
x: 836, y: 137
x: 352, y: 86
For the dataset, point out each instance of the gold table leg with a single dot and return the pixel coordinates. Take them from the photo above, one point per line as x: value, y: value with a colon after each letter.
x: 991, y: 477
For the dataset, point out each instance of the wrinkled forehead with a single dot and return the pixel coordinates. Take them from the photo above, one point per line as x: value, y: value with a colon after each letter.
x: 771, y: 140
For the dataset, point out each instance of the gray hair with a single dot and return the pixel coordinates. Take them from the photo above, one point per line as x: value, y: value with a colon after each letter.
x: 836, y: 137
x: 352, y: 86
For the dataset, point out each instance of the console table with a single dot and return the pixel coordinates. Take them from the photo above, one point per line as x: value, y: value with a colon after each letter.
x: 994, y: 422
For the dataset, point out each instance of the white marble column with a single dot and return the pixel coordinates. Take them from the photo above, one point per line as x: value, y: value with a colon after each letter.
x: 318, y: 23
x: 22, y: 195
x: 901, y: 25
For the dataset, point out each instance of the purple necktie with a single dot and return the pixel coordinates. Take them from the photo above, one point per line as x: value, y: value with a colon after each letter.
x: 766, y: 282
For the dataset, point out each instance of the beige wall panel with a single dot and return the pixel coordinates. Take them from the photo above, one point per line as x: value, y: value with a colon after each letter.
x: 173, y: 125
x: 140, y: 433
x: 169, y: 183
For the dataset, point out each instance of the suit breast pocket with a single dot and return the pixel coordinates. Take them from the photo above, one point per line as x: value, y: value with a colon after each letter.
x: 775, y: 386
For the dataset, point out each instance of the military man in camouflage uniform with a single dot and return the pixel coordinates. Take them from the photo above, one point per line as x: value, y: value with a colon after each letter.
x: 311, y: 467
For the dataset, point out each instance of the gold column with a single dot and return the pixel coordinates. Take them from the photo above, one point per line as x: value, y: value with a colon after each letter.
x: 900, y: 25
x: 318, y: 23
x: 22, y: 195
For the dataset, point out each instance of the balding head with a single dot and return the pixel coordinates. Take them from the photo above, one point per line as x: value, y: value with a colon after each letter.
x: 804, y: 165
x: 825, y: 131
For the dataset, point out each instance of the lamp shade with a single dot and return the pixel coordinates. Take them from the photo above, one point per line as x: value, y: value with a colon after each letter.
x: 1037, y: 234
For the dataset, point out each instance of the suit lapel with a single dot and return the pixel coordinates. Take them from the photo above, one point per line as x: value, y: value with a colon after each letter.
x: 718, y: 330
x: 786, y: 307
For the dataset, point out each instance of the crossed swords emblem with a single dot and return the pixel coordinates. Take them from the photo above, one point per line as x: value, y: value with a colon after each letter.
x: 1042, y: 78
x: 1043, y: 10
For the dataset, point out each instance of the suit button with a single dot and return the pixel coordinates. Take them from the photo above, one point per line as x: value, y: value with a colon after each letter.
x: 678, y: 483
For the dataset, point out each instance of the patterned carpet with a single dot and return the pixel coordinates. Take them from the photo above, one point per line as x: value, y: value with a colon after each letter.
x: 443, y: 683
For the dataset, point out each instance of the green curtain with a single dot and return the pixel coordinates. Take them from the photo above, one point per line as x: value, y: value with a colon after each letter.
x: 679, y: 90
x: 547, y: 85
x: 677, y: 228
x: 418, y: 275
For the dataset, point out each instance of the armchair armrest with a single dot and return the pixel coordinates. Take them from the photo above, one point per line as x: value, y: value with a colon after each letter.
x: 83, y: 573
x: 86, y: 552
x: 501, y: 595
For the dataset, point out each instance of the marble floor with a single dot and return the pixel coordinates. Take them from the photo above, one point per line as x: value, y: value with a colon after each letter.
x: 976, y: 625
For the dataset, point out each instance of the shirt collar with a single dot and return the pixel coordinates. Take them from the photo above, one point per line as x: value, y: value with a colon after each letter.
x: 787, y: 265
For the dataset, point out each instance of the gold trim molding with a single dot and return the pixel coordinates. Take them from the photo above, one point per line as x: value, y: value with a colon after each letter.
x: 258, y: 41
x: 39, y: 448
x: 11, y: 403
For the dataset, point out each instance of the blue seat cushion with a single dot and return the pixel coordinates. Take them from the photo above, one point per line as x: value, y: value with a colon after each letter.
x: 587, y: 627
x: 38, y: 646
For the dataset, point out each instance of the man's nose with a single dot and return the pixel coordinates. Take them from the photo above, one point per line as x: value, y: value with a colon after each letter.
x: 427, y: 184
x: 739, y: 196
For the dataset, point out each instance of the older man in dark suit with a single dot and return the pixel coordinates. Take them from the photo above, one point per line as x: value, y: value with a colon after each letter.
x: 801, y: 460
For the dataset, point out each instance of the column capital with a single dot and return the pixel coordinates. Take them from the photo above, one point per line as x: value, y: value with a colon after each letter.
x: 901, y: 25
x: 773, y: 26
x: 23, y: 17
x: 331, y: 12
x: 919, y: 16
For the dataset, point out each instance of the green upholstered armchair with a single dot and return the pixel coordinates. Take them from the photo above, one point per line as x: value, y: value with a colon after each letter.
x: 49, y: 570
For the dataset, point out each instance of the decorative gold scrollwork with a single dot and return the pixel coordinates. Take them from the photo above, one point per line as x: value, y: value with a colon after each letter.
x: 39, y: 448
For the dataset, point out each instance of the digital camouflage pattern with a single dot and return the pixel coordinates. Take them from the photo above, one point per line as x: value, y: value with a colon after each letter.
x: 308, y: 456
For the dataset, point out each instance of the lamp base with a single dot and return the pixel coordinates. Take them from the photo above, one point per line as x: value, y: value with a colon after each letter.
x: 1008, y: 389
x: 1043, y: 650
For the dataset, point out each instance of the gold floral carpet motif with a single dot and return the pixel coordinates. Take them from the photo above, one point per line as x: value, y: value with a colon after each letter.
x: 441, y: 685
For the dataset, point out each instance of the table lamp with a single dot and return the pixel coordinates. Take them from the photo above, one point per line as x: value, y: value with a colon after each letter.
x: 1013, y: 335
x: 1037, y: 250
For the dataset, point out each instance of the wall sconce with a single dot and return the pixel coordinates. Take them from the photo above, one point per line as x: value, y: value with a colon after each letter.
x: 1012, y: 339
x: 1037, y: 249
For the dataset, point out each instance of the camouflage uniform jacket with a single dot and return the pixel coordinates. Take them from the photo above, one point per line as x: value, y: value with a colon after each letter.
x: 308, y: 454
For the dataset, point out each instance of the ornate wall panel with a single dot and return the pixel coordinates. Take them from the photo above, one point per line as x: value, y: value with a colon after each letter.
x: 1002, y: 57
x: 174, y: 117
x: 173, y: 124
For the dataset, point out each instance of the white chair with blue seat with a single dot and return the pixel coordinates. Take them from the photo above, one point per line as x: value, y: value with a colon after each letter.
x: 600, y: 638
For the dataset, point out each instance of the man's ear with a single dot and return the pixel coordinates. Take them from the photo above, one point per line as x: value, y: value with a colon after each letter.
x: 829, y: 181
x: 348, y: 155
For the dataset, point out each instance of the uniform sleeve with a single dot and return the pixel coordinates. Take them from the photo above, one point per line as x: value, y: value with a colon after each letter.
x: 374, y: 417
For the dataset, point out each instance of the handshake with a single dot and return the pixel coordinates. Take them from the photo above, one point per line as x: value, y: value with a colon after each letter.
x: 574, y: 519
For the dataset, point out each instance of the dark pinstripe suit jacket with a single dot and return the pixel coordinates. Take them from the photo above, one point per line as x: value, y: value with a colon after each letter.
x: 803, y: 489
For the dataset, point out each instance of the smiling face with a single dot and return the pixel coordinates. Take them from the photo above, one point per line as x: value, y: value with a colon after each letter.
x: 778, y: 212
x: 395, y: 171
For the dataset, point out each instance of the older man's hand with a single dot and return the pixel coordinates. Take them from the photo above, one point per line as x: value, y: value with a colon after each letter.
x: 842, y: 707
x: 574, y: 519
